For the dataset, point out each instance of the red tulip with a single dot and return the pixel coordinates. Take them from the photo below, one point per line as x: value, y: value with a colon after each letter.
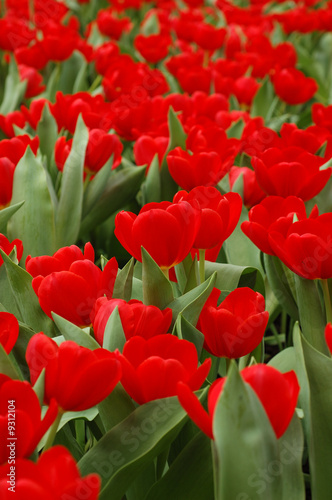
x: 263, y: 216
x: 146, y: 147
x: 293, y: 87
x: 235, y: 327
x: 277, y: 392
x: 54, y: 476
x: 300, y: 168
x: 29, y: 427
x: 75, y: 377
x: 136, y: 318
x: 166, y: 230
x: 153, y: 48
x: 9, y: 329
x: 151, y: 369
x: 252, y: 193
x: 34, y: 80
x: 8, y: 246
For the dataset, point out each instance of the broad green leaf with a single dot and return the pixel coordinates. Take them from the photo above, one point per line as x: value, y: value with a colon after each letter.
x: 190, y: 476
x: 229, y: 275
x: 7, y: 297
x: 187, y: 331
x: 39, y: 387
x: 116, y: 407
x: 152, y: 186
x: 69, y: 211
x: 114, y: 337
x: 264, y: 100
x: 74, y: 333
x: 20, y: 347
x: 47, y: 131
x: 236, y: 129
x: 7, y: 367
x: 121, y: 187
x: 157, y: 289
x: 96, y: 186
x: 6, y: 213
x: 34, y: 225
x: 26, y: 299
x: 123, y: 283
x: 14, y: 88
x: 123, y: 453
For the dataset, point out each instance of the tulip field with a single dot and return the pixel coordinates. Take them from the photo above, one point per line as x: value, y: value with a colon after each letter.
x: 165, y: 249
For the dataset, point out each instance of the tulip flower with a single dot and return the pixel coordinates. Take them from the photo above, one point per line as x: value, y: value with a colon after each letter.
x: 151, y: 369
x: 263, y: 216
x: 136, y: 318
x: 29, y: 426
x: 9, y: 329
x: 146, y: 147
x: 235, y: 327
x: 75, y: 377
x: 293, y: 87
x: 154, y: 47
x: 166, y: 230
x: 328, y: 336
x: 54, y: 476
x: 8, y: 246
x: 277, y: 392
x: 252, y: 193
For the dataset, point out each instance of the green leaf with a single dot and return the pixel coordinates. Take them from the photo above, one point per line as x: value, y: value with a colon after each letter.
x: 14, y: 88
x: 157, y: 289
x: 74, y: 333
x: 35, y: 224
x: 47, y: 131
x: 190, y: 476
x: 264, y: 101
x: 120, y: 189
x: 123, y: 453
x: 114, y: 337
x: 96, y: 186
x: 116, y: 407
x: 236, y: 129
x: 228, y: 276
x: 7, y: 366
x: 123, y: 283
x: 191, y: 303
x: 69, y: 211
x: 187, y: 331
x: 152, y: 186
x: 39, y: 387
x: 7, y: 297
x: 26, y: 299
x: 6, y: 213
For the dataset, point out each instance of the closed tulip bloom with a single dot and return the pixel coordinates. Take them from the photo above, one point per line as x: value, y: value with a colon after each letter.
x: 76, y: 377
x: 166, y: 230
x: 305, y: 246
x: 136, y: 318
x: 8, y: 246
x: 277, y: 392
x: 54, y: 476
x: 252, y: 193
x: 203, y: 168
x: 293, y: 87
x: 235, y: 327
x: 9, y: 329
x: 263, y: 216
x: 153, y: 48
x: 300, y: 168
x: 146, y: 147
x: 151, y: 369
x: 72, y: 294
x: 29, y: 424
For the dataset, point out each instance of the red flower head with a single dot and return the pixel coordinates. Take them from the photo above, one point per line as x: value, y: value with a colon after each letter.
x: 146, y: 147
x: 245, y: 89
x: 55, y: 476
x: 263, y: 216
x: 235, y: 327
x: 293, y: 87
x: 322, y: 116
x: 34, y: 80
x: 166, y: 230
x: 153, y: 48
x: 151, y: 369
x: 300, y: 168
x: 305, y: 246
x: 112, y: 26
x: 29, y: 425
x: 69, y: 283
x: 219, y: 215
x: 252, y: 193
x: 75, y: 377
x: 136, y: 318
x: 278, y: 393
x: 9, y: 329
x: 7, y: 247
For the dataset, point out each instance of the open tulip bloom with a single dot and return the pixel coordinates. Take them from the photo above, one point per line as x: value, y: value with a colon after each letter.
x: 165, y: 250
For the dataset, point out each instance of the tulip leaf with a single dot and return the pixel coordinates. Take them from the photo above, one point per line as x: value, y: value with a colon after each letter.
x: 124, y: 281
x: 74, y: 333
x: 116, y: 407
x: 35, y: 224
x: 47, y: 131
x: 312, y: 320
x: 264, y: 101
x: 69, y: 211
x: 121, y: 187
x: 279, y: 283
x: 7, y: 297
x: 151, y: 188
x: 96, y: 186
x: 123, y: 453
x: 177, y: 139
x: 114, y: 337
x: 6, y: 213
x: 7, y: 367
x: 39, y: 387
x: 187, y: 331
x: 14, y: 88
x: 26, y: 299
x: 157, y: 289
x: 191, y: 303
x: 20, y: 347
x: 190, y: 476
x: 236, y: 129
x: 319, y: 372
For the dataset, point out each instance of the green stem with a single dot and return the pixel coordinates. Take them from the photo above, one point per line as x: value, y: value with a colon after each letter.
x: 202, y: 265
x: 95, y: 83
x: 53, y: 431
x: 327, y: 300
x: 228, y: 364
x: 276, y: 336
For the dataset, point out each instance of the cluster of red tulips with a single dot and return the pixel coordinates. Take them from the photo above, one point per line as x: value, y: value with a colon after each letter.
x: 165, y: 249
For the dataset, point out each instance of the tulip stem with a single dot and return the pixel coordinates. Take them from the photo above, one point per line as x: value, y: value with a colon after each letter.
x: 53, y: 430
x: 202, y: 265
x: 327, y: 300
